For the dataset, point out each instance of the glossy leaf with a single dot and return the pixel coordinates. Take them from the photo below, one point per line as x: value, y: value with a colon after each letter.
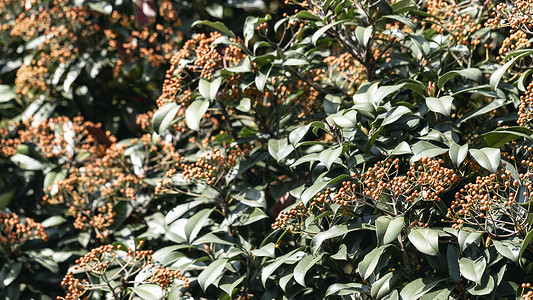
x: 304, y: 266
x: 195, y: 112
x: 211, y: 273
x: 425, y: 240
x: 387, y: 229
x: 488, y: 158
x: 196, y: 223
x: 417, y: 288
x: 164, y: 116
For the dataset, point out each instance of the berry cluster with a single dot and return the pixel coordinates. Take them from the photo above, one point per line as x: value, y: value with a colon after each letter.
x: 529, y: 294
x: 90, y: 193
x: 525, y: 111
x: 425, y: 180
x: 454, y: 17
x: 14, y: 231
x: 96, y: 264
x: 492, y: 203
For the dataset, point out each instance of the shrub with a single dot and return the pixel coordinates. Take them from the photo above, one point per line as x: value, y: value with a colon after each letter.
x: 335, y: 149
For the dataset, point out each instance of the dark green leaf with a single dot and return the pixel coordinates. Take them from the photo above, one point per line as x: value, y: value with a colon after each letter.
x: 164, y: 117
x: 195, y: 112
x: 304, y: 266
x: 196, y: 223
x: 388, y: 230
x: 488, y: 158
x: 425, y: 240
x: 417, y: 288
x: 211, y: 273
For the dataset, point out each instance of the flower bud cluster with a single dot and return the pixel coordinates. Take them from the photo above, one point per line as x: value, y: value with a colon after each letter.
x: 100, y: 260
x: 14, y: 231
x: 493, y: 203
x: 425, y: 180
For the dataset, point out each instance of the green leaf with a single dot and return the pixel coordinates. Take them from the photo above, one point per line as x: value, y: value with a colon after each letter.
x: 525, y: 244
x: 482, y: 110
x: 279, y: 149
x: 417, y: 288
x: 394, y: 114
x: 362, y: 34
x: 209, y: 89
x: 262, y: 76
x: 488, y: 158
x: 470, y: 73
x: 10, y: 272
x: 497, y: 76
x: 467, y: 238
x: 306, y: 15
x: 229, y: 283
x: 304, y: 266
x: 458, y: 153
x: 311, y: 191
x: 452, y: 255
x: 323, y: 30
x: 502, y: 136
x: 425, y: 240
x: 352, y: 287
x: 328, y: 156
x: 484, y: 288
x: 164, y: 117
x: 382, y: 286
x: 388, y: 230
x: 26, y: 162
x: 508, y: 248
x: 298, y: 134
x: 6, y: 93
x: 216, y: 25
x: 426, y: 149
x: 472, y: 270
x: 196, y: 223
x: 248, y: 30
x: 211, y: 273
x: 149, y: 291
x: 312, y: 157
x: 268, y: 270
x: 268, y: 250
x: 243, y: 67
x: 442, y: 105
x: 403, y: 20
x: 295, y: 62
x: 194, y: 113
x: 335, y: 231
x: 401, y: 148
x: 369, y: 263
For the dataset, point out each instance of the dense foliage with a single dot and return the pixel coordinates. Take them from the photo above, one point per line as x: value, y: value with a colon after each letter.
x: 266, y: 150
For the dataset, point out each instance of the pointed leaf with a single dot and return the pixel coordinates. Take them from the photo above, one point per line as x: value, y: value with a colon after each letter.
x: 323, y: 30
x: 328, y: 156
x: 382, y: 286
x: 425, y: 240
x: 211, y: 273
x: 472, y: 270
x: 209, y: 88
x: 149, y: 291
x: 388, y: 230
x: 164, y: 117
x: 442, y: 105
x: 196, y: 223
x: 368, y: 265
x: 458, y: 153
x: 305, y: 265
x: 195, y: 112
x: 488, y: 158
x: 417, y: 288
